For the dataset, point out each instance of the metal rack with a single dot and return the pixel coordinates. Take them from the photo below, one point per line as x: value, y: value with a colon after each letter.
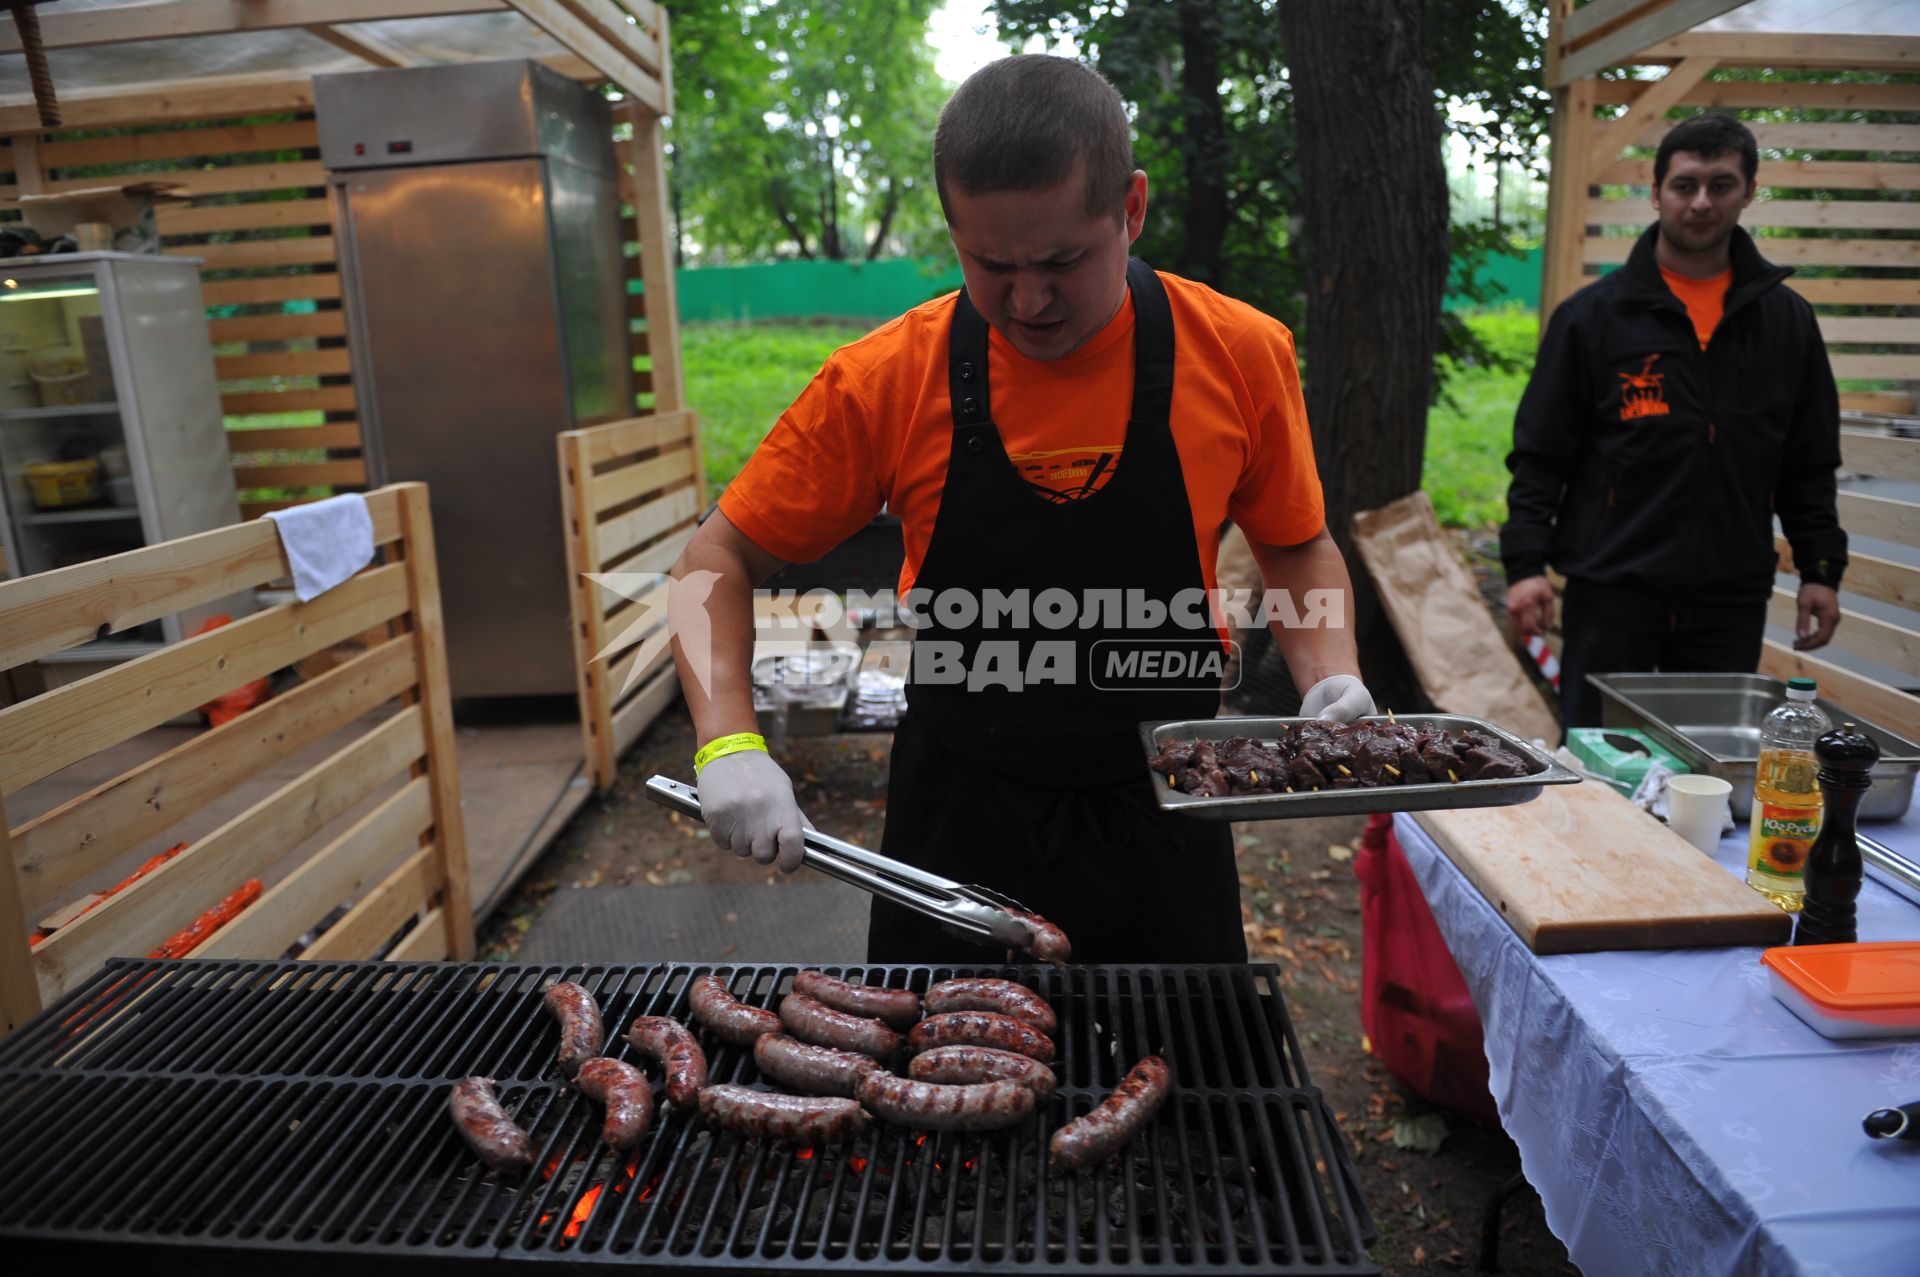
x: 225, y: 1116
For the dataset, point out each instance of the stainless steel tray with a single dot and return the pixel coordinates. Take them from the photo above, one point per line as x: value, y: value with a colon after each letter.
x: 1712, y: 723
x: 1349, y: 802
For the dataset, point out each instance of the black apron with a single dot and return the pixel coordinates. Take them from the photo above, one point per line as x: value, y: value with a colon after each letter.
x: 1043, y: 792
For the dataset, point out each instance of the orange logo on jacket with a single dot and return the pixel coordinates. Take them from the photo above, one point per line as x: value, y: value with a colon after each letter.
x: 1641, y: 394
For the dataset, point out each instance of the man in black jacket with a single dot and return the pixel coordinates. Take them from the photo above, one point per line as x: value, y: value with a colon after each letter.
x: 1676, y: 406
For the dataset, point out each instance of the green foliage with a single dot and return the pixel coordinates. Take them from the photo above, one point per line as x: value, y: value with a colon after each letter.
x: 741, y: 377
x: 1486, y: 58
x: 803, y: 127
x: 1471, y: 431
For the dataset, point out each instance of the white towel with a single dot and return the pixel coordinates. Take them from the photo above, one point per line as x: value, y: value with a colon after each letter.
x: 326, y: 542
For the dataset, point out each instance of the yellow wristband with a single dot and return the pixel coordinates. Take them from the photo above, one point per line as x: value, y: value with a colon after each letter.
x: 721, y: 746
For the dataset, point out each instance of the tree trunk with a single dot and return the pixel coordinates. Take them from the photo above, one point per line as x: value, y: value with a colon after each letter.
x: 1206, y: 143
x: 830, y: 246
x: 790, y: 222
x: 1374, y: 204
x: 889, y: 208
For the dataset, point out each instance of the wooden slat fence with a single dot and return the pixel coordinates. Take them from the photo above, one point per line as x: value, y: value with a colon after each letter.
x: 633, y: 491
x: 375, y: 823
x: 1839, y: 173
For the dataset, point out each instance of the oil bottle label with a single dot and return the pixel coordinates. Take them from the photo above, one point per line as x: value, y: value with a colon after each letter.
x: 1782, y: 837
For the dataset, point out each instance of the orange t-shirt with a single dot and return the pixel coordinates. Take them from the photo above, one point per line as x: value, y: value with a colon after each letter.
x: 1705, y: 299
x: 874, y: 428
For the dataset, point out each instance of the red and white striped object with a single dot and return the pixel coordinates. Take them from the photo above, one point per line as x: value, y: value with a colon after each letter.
x: 1549, y: 663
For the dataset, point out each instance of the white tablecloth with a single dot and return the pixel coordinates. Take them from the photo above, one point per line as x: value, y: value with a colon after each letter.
x: 1676, y: 1118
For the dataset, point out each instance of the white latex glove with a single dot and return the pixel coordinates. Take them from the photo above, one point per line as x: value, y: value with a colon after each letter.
x: 1341, y: 698
x: 749, y: 807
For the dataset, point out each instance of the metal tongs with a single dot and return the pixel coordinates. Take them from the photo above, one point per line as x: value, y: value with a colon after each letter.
x: 962, y: 908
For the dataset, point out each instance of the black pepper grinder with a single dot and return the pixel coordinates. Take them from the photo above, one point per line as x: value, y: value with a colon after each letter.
x: 1847, y: 756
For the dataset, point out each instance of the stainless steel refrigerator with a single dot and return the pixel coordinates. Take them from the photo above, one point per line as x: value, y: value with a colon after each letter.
x: 477, y: 220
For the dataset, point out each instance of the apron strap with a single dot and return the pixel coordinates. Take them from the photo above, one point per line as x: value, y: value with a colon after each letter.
x: 967, y: 365
x: 1152, y: 344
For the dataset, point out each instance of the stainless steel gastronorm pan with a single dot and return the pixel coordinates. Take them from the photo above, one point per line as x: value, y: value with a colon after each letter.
x: 1349, y: 802
x: 1712, y: 722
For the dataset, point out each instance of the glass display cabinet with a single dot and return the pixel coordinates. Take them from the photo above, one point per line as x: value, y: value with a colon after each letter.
x: 111, y: 436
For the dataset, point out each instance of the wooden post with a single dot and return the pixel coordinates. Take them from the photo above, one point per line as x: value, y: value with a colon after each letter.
x: 646, y: 189
x: 28, y: 176
x: 1572, y: 142
x: 441, y: 763
x: 19, y: 988
x: 589, y: 629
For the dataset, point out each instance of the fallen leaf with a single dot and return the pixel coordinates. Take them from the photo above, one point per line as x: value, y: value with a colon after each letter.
x: 673, y: 935
x: 1419, y: 1254
x: 1426, y: 1132
x: 1339, y: 851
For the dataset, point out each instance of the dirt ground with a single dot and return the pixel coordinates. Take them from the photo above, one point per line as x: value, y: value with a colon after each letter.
x: 1301, y: 907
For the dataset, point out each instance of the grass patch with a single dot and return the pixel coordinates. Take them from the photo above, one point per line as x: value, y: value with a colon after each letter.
x: 1468, y: 439
x: 741, y: 377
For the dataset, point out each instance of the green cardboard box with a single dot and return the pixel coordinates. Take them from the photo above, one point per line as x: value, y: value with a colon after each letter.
x: 1621, y: 754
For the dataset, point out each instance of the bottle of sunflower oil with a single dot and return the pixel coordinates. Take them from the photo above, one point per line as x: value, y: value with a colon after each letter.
x: 1786, y: 798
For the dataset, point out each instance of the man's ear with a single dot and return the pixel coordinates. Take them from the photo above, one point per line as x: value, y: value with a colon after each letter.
x: 1134, y: 210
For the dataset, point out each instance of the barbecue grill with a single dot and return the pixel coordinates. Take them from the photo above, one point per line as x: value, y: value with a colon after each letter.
x: 223, y: 1116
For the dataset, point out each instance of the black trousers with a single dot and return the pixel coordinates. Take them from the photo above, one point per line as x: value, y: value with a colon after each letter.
x: 1614, y: 631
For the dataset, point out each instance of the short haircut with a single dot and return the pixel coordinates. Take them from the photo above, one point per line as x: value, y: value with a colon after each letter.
x: 1025, y: 123
x: 1708, y: 136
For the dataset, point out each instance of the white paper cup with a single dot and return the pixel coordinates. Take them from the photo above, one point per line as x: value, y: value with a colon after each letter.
x: 1697, y: 809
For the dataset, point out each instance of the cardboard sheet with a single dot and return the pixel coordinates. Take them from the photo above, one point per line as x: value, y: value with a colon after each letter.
x: 1463, y: 659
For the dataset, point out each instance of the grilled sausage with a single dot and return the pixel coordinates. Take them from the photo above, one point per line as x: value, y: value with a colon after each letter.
x: 983, y: 994
x: 981, y: 1028
x: 816, y: 1070
x: 822, y: 1025
x: 898, y: 1007
x: 965, y: 1063
x: 1049, y: 943
x: 803, y: 1119
x: 930, y: 1106
x: 486, y: 1128
x: 674, y: 1049
x: 581, y: 1033
x: 1107, y: 1129
x: 725, y: 1016
x: 624, y: 1091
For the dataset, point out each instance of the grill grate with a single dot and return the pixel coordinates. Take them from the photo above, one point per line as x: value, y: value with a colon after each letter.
x: 221, y: 1114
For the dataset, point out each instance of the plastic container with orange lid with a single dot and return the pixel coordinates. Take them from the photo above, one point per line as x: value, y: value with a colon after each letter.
x: 1851, y: 990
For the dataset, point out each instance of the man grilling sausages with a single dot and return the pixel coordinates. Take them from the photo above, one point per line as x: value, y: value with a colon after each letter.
x: 1063, y: 442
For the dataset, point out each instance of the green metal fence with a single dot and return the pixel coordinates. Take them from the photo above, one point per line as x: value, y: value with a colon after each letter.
x: 882, y: 289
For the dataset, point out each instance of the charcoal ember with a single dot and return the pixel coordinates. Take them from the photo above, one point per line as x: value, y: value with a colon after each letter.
x: 1304, y: 777
x: 1491, y: 763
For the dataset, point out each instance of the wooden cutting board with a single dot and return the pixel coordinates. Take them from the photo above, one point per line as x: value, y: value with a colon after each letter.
x: 1580, y: 869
